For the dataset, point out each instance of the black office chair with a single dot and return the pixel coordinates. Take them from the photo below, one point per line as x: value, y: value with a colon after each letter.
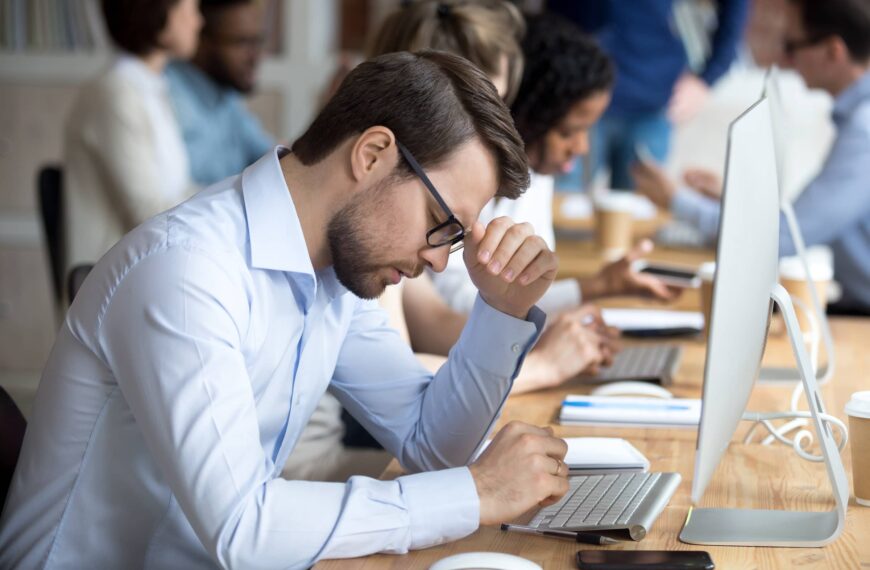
x: 75, y: 279
x: 12, y: 426
x: 49, y: 185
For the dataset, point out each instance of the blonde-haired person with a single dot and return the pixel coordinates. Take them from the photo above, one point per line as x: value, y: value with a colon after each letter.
x: 485, y: 32
x: 124, y: 158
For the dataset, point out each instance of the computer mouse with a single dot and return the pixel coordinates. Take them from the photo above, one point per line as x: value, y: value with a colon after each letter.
x: 484, y: 561
x: 630, y: 388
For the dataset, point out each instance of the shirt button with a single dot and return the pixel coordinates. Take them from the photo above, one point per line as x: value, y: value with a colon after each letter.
x: 515, y: 348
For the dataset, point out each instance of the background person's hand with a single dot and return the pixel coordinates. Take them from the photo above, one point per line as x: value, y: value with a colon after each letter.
x: 620, y: 278
x: 653, y: 182
x: 522, y: 467
x: 688, y: 98
x: 704, y: 181
x: 510, y: 265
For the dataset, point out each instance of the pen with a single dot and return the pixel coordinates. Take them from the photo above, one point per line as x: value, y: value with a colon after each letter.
x: 584, y: 537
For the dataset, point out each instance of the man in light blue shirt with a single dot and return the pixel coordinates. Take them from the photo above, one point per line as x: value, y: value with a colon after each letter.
x: 221, y: 135
x: 828, y: 43
x: 198, y: 346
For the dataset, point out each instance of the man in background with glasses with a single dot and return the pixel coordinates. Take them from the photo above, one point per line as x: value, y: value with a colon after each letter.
x: 198, y: 347
x: 220, y: 134
x: 828, y: 44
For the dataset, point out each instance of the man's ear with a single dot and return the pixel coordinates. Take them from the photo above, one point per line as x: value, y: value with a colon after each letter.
x: 837, y: 50
x: 374, y: 154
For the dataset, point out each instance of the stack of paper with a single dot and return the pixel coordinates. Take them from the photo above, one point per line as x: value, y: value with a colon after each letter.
x: 587, y: 454
x: 603, y: 454
x: 632, y: 412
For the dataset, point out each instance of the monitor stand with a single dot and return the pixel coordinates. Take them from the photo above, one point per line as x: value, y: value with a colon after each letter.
x: 826, y: 372
x: 753, y: 527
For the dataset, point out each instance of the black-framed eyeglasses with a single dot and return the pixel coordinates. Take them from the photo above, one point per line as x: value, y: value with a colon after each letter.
x: 449, y: 232
x: 791, y: 47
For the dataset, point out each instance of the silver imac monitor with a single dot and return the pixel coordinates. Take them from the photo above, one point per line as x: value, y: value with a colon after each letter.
x: 744, y: 287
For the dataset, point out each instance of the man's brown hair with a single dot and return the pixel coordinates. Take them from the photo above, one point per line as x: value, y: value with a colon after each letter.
x: 135, y: 25
x: 433, y: 101
x: 483, y: 32
x: 848, y: 19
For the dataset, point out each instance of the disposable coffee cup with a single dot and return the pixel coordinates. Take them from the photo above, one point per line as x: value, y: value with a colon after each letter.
x: 706, y: 273
x: 858, y: 410
x: 793, y: 277
x: 614, y: 220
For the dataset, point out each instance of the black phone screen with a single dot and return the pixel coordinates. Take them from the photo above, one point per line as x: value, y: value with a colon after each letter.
x: 668, y: 272
x: 644, y: 560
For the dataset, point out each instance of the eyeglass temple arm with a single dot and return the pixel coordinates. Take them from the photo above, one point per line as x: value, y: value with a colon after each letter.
x: 418, y: 170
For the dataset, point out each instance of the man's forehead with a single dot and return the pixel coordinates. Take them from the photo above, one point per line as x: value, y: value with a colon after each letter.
x: 470, y: 180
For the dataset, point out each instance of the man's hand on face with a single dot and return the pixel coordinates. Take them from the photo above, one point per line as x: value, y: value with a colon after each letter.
x: 522, y: 467
x: 510, y: 265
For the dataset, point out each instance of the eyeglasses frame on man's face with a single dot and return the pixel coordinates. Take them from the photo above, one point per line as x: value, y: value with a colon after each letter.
x: 454, y: 239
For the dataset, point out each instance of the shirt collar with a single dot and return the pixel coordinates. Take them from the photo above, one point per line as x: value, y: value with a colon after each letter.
x: 847, y: 101
x: 277, y: 241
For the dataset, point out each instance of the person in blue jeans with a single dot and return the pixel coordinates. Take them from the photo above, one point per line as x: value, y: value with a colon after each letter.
x: 655, y: 84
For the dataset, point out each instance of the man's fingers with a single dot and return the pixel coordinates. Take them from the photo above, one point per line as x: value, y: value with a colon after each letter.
x: 504, y: 244
x: 531, y: 247
x: 544, y: 265
x: 471, y: 249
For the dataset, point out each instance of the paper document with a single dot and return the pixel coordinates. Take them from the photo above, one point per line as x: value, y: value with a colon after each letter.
x: 598, y: 454
x: 641, y: 412
x: 649, y: 319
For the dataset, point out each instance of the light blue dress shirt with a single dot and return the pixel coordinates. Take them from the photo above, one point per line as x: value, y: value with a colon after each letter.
x: 184, y: 373
x: 221, y: 135
x: 833, y: 210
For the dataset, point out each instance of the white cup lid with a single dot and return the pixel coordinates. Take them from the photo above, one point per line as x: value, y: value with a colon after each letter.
x: 707, y: 271
x: 793, y: 268
x: 616, y: 202
x: 859, y: 405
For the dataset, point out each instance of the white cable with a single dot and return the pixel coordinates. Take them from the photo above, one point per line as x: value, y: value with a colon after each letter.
x: 804, y: 437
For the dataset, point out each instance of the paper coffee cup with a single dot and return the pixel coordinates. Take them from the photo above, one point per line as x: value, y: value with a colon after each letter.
x: 793, y: 277
x: 706, y: 273
x: 858, y: 410
x: 614, y: 218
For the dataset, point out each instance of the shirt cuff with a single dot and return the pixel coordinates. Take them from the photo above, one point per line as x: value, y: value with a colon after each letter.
x: 562, y: 295
x: 686, y: 205
x: 498, y: 342
x: 443, y: 506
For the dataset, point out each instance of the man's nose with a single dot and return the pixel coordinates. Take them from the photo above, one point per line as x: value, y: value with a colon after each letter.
x: 436, y: 258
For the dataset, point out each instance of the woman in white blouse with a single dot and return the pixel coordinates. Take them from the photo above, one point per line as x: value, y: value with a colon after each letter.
x: 124, y: 156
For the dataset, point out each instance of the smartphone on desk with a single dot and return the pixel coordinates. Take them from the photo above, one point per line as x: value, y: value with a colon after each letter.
x: 676, y: 275
x: 644, y: 560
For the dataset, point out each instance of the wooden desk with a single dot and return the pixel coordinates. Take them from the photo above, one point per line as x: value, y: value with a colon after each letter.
x: 749, y: 475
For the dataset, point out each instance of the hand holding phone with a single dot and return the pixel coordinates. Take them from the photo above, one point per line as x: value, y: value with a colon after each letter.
x: 676, y: 275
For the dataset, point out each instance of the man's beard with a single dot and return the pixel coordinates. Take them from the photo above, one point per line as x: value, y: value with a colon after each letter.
x: 351, y: 251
